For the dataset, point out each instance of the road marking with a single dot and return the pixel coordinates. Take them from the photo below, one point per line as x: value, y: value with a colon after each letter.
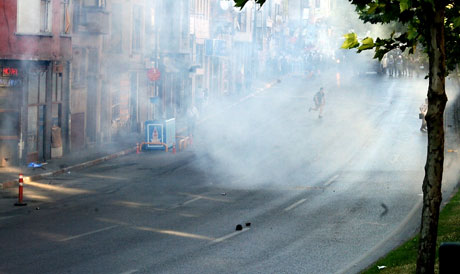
x: 306, y: 188
x: 192, y: 200
x: 294, y: 205
x: 174, y: 233
x: 373, y: 223
x: 130, y: 271
x: 231, y: 235
x: 331, y: 180
x: 60, y: 189
x: 7, y: 217
x: 201, y: 196
x: 188, y: 202
x: 88, y: 233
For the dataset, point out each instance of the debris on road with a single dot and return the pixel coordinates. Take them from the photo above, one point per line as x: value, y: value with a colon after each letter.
x: 239, y: 227
x: 385, y: 209
x: 380, y: 267
x: 248, y: 224
x: 36, y: 165
x: 37, y: 208
x: 223, y: 194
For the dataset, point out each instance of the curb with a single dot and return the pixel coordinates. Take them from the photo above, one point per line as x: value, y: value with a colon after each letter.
x: 10, y: 184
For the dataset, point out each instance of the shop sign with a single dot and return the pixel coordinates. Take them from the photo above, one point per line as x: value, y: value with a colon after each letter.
x: 9, y: 82
x: 8, y: 77
x: 153, y: 74
x: 8, y: 72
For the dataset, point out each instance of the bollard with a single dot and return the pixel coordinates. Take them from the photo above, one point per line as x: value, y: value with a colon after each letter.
x: 20, y: 193
x: 137, y: 148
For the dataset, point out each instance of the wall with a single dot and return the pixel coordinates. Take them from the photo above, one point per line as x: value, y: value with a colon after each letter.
x: 32, y: 47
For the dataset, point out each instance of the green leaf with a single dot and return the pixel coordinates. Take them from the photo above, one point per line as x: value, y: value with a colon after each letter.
x: 411, y: 33
x: 372, y: 8
x: 240, y: 3
x: 366, y: 43
x: 456, y: 22
x: 404, y: 5
x: 351, y: 41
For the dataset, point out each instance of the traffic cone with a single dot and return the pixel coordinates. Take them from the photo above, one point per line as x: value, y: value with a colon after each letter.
x: 20, y: 192
x: 174, y: 149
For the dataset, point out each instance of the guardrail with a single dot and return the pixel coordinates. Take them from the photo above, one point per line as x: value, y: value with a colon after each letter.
x: 183, y: 141
x: 141, y: 144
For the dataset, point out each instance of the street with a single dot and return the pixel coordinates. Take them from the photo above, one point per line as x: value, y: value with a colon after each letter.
x: 312, y: 195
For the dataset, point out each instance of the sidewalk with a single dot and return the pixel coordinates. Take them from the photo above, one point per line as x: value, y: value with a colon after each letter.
x: 92, y: 155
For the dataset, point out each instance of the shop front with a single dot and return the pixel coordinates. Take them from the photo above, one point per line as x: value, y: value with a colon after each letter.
x: 11, y: 84
x: 31, y: 111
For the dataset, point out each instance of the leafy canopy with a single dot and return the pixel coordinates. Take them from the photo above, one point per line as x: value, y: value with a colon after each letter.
x: 241, y: 3
x: 414, y: 16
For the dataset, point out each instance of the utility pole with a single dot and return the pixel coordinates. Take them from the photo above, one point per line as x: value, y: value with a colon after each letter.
x: 254, y: 44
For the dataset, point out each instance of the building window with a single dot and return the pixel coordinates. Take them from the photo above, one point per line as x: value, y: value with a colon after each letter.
x: 79, y: 67
x: 66, y: 17
x: 34, y: 16
x: 94, y: 3
x: 137, y: 24
x: 116, y: 31
x: 242, y: 26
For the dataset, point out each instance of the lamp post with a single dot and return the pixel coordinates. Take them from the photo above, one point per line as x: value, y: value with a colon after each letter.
x: 254, y: 44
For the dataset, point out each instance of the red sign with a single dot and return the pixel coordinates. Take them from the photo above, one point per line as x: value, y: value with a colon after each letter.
x: 9, y: 72
x: 153, y: 74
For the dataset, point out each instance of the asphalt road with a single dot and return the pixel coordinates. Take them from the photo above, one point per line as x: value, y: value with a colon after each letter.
x: 313, y: 195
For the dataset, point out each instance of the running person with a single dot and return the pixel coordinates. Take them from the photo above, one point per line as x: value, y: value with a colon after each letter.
x: 320, y: 101
x: 423, y: 110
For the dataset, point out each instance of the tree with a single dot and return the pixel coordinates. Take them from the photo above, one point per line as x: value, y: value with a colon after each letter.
x: 425, y: 23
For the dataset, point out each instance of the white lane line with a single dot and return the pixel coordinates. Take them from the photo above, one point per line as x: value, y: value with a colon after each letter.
x: 192, y: 200
x: 231, y: 235
x: 88, y: 233
x: 294, y: 205
x: 7, y: 217
x: 331, y: 180
x: 130, y: 271
x: 187, y: 202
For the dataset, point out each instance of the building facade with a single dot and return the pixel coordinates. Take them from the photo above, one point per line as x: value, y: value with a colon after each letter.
x: 79, y: 73
x: 35, y: 53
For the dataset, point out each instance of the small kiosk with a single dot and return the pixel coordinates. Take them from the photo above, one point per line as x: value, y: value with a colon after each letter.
x: 160, y: 134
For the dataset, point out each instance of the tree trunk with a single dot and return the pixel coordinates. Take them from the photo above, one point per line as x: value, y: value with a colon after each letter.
x: 437, y: 100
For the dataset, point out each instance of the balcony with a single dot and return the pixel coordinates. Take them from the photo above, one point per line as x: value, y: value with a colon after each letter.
x: 94, y: 20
